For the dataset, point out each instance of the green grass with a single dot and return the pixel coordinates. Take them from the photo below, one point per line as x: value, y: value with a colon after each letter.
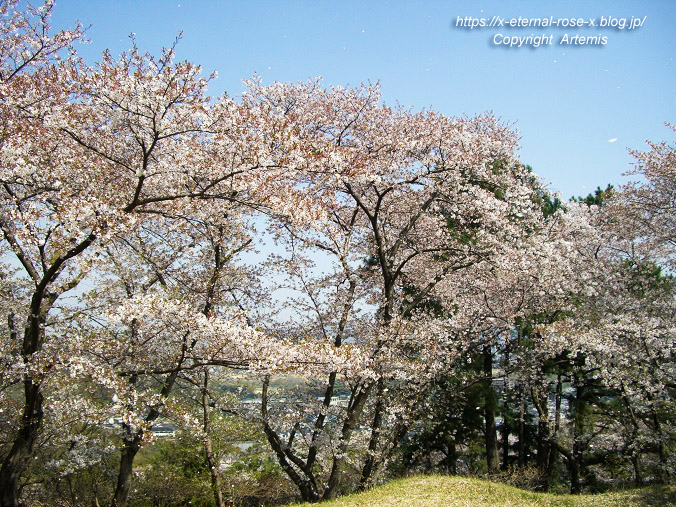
x: 441, y: 491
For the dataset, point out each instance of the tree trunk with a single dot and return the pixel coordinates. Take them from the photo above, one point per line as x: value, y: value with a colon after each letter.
x: 208, y: 451
x: 553, y: 451
x: 505, y: 404
x: 129, y: 450
x: 492, y: 455
x: 579, y: 424
x: 368, y: 467
x: 522, y: 429
x: 388, y: 444
x: 452, y: 458
x: 505, y: 444
x: 354, y: 412
x: 42, y: 299
x: 663, y: 472
x: 521, y: 456
x: 635, y: 453
x: 213, y: 469
x: 638, y: 477
x: 18, y: 459
x: 305, y: 483
x: 574, y: 468
x: 543, y: 438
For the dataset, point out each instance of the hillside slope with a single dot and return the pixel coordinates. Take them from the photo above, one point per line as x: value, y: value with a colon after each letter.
x: 442, y: 491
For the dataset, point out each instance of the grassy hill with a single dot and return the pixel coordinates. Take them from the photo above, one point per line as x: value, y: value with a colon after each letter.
x: 440, y: 491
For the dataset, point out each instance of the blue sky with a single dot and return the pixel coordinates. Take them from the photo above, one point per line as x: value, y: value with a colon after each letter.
x: 567, y: 102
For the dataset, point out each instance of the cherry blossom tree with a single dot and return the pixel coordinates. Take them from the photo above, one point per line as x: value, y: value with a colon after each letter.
x: 28, y: 54
x: 412, y: 201
x: 623, y: 326
x: 646, y: 208
x: 406, y: 241
x: 90, y: 155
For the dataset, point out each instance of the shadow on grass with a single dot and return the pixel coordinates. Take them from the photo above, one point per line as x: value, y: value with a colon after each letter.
x: 655, y: 495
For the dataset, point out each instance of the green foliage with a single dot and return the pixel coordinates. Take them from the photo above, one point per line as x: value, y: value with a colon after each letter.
x: 598, y: 198
x: 171, y: 472
x: 646, y: 278
x: 550, y: 205
x: 449, y: 437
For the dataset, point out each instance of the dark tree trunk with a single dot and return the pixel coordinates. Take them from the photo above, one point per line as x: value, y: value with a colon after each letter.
x: 387, y: 446
x: 663, y: 473
x: 573, y: 464
x: 553, y: 451
x: 545, y: 440
x: 557, y: 414
x: 579, y: 428
x: 452, y: 458
x: 574, y: 468
x: 369, y: 463
x: 638, y: 477
x: 132, y: 442
x: 521, y: 450
x: 212, y: 463
x: 18, y: 459
x: 505, y: 444
x: 130, y: 447
x: 304, y: 480
x: 355, y: 409
x: 522, y: 429
x: 505, y: 410
x: 543, y: 444
x: 635, y: 453
x: 492, y: 455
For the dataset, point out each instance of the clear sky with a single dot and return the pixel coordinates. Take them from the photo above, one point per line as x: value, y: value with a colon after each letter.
x: 568, y: 102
